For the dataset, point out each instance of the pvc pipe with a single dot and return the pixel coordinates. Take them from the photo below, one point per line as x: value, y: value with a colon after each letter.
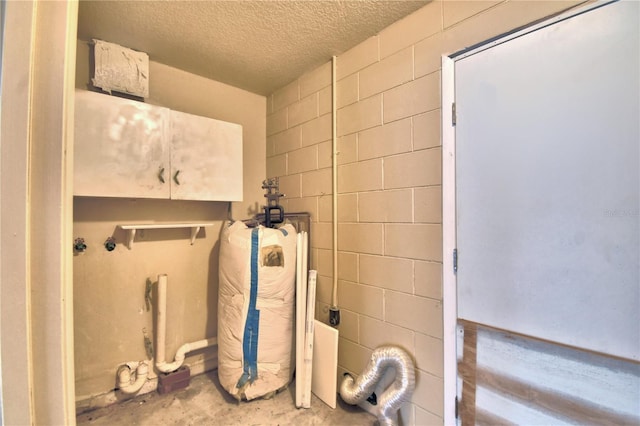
x: 334, y: 181
x: 162, y: 334
x: 181, y: 353
x: 161, y: 318
x: 124, y: 378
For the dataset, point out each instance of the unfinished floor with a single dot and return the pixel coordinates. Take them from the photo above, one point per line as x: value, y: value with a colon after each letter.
x: 205, y: 402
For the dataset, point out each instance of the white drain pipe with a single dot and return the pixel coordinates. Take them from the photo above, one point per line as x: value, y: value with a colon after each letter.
x: 181, y: 353
x: 161, y: 336
x: 161, y: 319
x: 334, y: 183
x: 334, y: 315
x: 389, y: 402
x: 124, y: 377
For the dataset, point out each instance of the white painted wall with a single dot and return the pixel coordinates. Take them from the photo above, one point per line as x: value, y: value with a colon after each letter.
x: 109, y: 287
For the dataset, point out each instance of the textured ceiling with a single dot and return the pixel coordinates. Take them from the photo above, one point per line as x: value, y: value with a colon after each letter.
x: 258, y: 46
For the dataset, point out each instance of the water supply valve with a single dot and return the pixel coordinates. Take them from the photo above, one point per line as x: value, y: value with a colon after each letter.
x: 273, y: 204
x: 79, y: 245
x: 334, y: 316
x: 110, y: 244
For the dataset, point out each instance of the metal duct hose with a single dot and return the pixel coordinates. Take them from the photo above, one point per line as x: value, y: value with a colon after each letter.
x: 385, y: 357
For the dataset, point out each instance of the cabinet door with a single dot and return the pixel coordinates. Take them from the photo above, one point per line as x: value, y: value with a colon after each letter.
x: 206, y: 158
x: 120, y: 147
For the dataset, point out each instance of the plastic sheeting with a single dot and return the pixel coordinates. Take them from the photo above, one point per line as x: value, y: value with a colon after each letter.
x: 120, y: 69
x: 256, y: 309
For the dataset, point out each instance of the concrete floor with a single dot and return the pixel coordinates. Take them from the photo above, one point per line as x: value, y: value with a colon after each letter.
x: 205, y: 402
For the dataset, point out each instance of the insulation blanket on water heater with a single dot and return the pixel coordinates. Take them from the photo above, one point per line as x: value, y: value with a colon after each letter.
x: 256, y: 309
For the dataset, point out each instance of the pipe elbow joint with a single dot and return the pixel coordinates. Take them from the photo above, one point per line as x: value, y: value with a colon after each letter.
x: 124, y: 378
x: 124, y: 375
x: 163, y: 367
x: 181, y: 354
x: 143, y: 369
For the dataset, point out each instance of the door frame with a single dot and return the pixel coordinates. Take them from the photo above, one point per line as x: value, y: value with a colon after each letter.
x: 449, y: 282
x: 36, y: 175
x: 449, y: 232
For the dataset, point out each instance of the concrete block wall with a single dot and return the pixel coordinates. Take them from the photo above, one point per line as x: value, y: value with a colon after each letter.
x: 389, y: 180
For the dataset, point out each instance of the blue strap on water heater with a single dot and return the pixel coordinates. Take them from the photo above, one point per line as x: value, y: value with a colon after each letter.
x: 250, y: 338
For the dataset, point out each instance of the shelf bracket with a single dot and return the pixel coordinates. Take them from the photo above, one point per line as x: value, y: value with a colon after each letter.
x: 194, y: 232
x: 132, y: 235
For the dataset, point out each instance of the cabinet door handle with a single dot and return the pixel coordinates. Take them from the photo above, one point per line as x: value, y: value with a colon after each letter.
x: 161, y: 175
x: 175, y: 178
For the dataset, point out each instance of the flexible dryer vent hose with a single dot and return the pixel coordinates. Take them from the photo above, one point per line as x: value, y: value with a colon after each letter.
x: 385, y: 357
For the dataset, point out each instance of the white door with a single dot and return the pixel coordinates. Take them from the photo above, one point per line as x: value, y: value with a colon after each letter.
x: 541, y: 183
x: 548, y: 183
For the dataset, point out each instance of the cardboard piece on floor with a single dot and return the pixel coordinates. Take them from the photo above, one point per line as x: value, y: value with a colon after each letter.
x: 325, y: 363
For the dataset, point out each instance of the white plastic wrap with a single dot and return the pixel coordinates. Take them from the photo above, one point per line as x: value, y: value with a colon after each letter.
x: 121, y: 69
x: 256, y: 309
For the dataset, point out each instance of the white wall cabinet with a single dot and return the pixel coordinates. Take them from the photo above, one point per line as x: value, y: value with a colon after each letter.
x: 125, y: 148
x: 206, y: 158
x: 120, y: 148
